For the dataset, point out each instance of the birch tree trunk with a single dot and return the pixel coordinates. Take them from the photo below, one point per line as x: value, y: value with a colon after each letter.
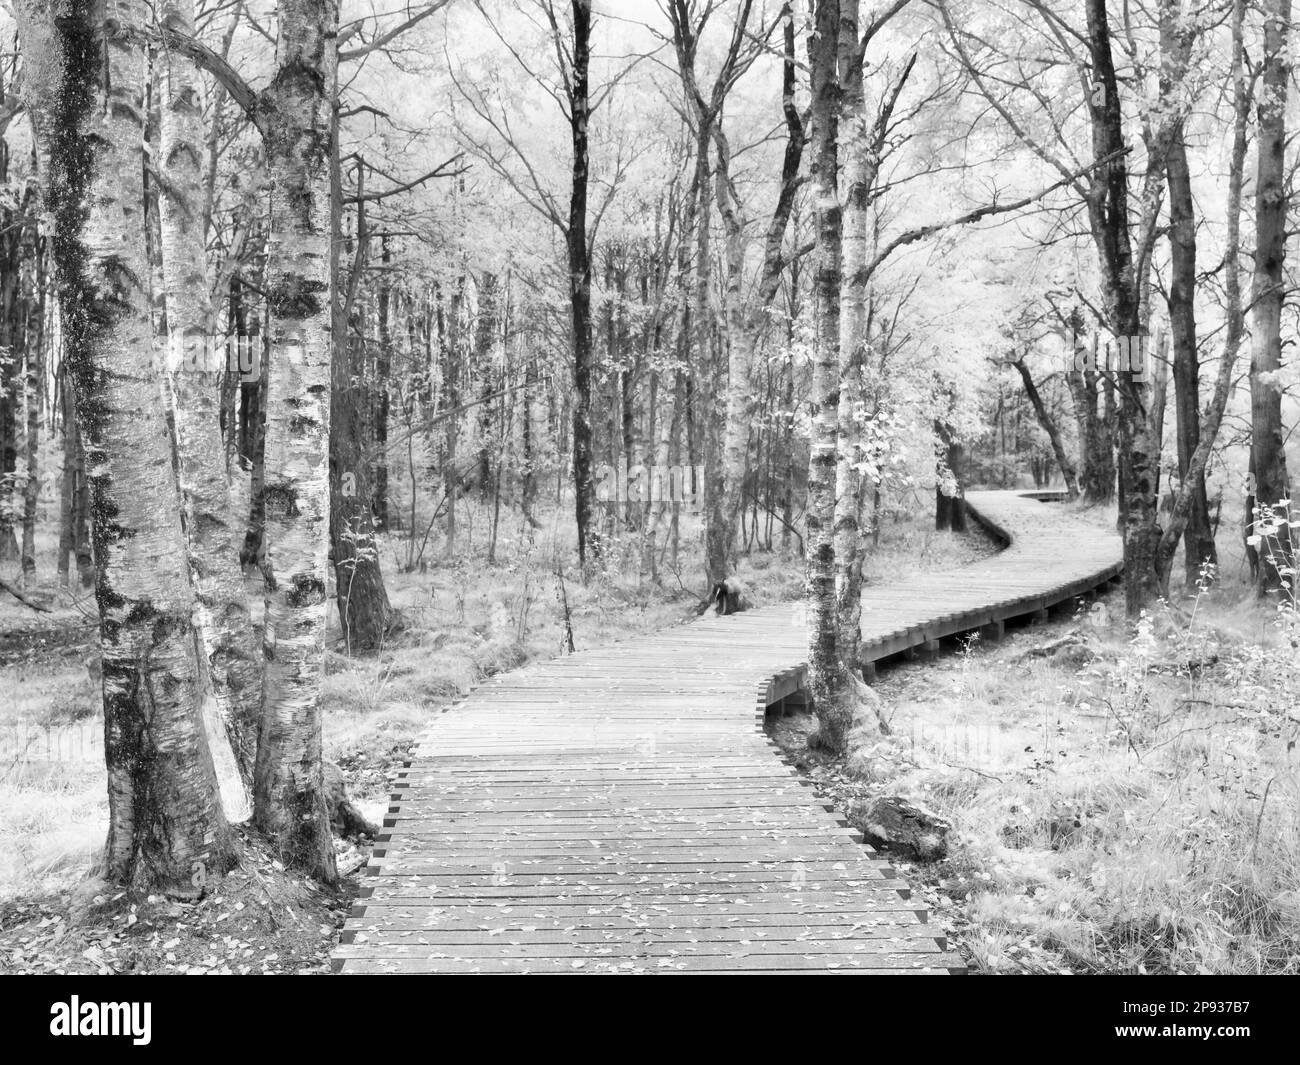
x: 852, y: 339
x: 1268, y: 449
x: 67, y: 478
x: 10, y: 375
x: 289, y: 797
x: 706, y: 366
x: 214, y: 531
x: 740, y: 347
x: 167, y: 830
x: 32, y: 304
x: 828, y: 679
x: 726, y: 444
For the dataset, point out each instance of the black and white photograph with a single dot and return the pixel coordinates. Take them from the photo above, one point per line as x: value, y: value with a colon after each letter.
x: 649, y: 487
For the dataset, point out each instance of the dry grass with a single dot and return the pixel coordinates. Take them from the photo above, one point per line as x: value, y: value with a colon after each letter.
x: 53, y: 806
x: 1128, y: 804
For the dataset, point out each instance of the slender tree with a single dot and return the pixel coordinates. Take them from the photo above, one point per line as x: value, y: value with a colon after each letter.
x: 289, y: 797
x: 197, y: 364
x: 828, y: 676
x: 1177, y: 524
x: 575, y: 67
x: 1272, y: 483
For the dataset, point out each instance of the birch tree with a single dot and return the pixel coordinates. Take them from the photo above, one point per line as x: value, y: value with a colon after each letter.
x: 828, y: 677
x: 861, y: 157
x: 289, y: 798
x: 725, y: 439
x: 167, y: 828
x: 213, y: 531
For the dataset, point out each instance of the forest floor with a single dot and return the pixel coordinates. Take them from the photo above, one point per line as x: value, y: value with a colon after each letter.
x: 1112, y: 809
x: 462, y: 621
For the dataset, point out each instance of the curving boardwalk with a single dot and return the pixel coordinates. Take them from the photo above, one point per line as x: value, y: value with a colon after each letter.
x: 621, y: 810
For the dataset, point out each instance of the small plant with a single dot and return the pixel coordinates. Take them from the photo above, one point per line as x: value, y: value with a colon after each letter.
x: 1276, y: 529
x: 1130, y: 705
x: 968, y: 644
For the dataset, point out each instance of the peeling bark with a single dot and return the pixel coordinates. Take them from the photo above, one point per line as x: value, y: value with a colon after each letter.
x: 289, y: 796
x: 213, y: 531
x: 828, y: 678
x: 856, y: 177
x: 166, y: 826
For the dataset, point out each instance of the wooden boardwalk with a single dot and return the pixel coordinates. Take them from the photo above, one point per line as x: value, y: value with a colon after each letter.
x: 620, y: 810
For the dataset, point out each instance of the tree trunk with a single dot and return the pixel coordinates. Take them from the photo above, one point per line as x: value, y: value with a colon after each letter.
x: 1050, y: 427
x: 359, y: 591
x: 851, y: 356
x: 1096, y: 451
x: 290, y: 806
x: 383, y: 369
x: 1139, y: 453
x: 166, y: 826
x: 451, y: 373
x: 528, y: 470
x: 739, y: 345
x: 949, y: 505
x: 1181, y: 513
x: 67, y: 482
x: 32, y: 299
x: 1268, y: 441
x: 10, y: 374
x: 828, y: 679
x: 1198, y: 543
x: 251, y: 554
x: 707, y: 367
x: 212, y: 531
x: 485, y: 333
x: 579, y: 255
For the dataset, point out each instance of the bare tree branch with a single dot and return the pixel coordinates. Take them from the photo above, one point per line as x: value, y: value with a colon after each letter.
x: 383, y: 39
x: 911, y: 236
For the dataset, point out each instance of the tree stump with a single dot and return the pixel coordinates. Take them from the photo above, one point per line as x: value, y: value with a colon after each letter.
x: 345, y: 817
x: 894, y: 824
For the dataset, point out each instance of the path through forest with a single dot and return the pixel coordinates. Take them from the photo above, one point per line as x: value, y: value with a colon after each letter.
x: 622, y: 810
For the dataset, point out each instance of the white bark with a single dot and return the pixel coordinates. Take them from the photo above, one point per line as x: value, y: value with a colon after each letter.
x: 289, y: 788
x: 166, y: 825
x: 740, y: 344
x: 854, y: 136
x: 828, y: 681
x: 213, y: 530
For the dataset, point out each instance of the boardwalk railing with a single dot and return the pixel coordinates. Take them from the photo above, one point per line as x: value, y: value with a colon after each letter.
x: 621, y: 809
